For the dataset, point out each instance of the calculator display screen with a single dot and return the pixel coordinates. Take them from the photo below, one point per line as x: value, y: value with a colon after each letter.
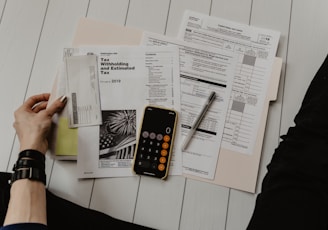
x: 159, y: 120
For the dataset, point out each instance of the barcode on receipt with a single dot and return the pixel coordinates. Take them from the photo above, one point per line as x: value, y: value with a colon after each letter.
x: 74, y: 107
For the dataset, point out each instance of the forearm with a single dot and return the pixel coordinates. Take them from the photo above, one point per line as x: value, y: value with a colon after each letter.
x: 27, y: 203
x: 27, y: 195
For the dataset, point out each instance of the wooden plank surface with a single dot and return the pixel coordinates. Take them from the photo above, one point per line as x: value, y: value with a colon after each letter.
x: 159, y: 202
x: 149, y: 15
x: 177, y: 9
x: 204, y: 206
x: 116, y: 197
x: 114, y: 11
x: 20, y: 30
x: 235, y: 10
x: 2, y: 7
x: 306, y: 51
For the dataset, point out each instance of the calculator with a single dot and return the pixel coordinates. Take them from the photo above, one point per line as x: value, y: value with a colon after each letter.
x: 155, y: 143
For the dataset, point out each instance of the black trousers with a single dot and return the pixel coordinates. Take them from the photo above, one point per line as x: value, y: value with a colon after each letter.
x: 294, y: 192
x: 63, y: 214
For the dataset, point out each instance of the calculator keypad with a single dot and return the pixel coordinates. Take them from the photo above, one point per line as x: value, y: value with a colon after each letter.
x: 153, y: 155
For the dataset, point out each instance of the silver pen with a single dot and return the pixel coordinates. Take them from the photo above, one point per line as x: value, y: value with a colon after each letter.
x: 198, y: 120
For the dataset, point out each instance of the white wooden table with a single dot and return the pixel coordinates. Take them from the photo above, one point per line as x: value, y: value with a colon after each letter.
x: 32, y: 36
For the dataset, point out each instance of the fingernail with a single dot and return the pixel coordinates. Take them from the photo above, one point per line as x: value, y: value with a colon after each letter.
x: 63, y: 99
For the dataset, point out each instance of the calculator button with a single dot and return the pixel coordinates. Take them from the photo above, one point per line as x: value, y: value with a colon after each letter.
x: 165, y: 145
x: 159, y: 137
x: 161, y: 167
x: 145, y: 134
x: 164, y: 152
x: 162, y: 160
x: 152, y: 136
x: 168, y: 130
x: 153, y: 166
x: 166, y: 138
x: 143, y: 164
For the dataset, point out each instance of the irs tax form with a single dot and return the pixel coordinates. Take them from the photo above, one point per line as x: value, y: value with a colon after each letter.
x: 255, y: 49
x: 202, y: 70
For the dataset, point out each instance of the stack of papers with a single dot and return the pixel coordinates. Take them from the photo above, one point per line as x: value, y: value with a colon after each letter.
x: 110, y: 85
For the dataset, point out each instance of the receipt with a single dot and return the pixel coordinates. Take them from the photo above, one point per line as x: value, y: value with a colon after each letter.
x: 83, y: 91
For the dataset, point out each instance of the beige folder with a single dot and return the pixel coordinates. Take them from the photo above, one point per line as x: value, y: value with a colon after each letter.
x: 234, y: 169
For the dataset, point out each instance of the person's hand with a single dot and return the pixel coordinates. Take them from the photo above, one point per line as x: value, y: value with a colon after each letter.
x: 33, y: 121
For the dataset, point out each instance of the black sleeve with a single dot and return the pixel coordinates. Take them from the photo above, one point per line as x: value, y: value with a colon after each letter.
x: 25, y: 226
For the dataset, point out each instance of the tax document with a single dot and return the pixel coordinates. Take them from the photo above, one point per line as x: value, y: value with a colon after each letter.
x: 202, y: 70
x: 129, y: 79
x: 255, y: 49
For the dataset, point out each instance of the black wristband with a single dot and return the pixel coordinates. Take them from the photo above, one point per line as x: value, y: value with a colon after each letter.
x: 29, y: 173
x: 33, y: 154
x: 28, y: 163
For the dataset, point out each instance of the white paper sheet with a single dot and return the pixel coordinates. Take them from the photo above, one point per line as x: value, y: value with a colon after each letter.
x: 255, y: 49
x: 202, y: 70
x: 130, y: 78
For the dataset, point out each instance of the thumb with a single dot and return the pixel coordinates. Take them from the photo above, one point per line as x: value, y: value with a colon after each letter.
x: 57, y: 106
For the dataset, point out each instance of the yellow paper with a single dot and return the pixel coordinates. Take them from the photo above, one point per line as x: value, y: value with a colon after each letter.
x: 66, y: 144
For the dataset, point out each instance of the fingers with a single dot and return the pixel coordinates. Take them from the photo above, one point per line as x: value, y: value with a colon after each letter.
x: 57, y: 106
x: 39, y: 102
x: 40, y: 106
x: 33, y: 100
